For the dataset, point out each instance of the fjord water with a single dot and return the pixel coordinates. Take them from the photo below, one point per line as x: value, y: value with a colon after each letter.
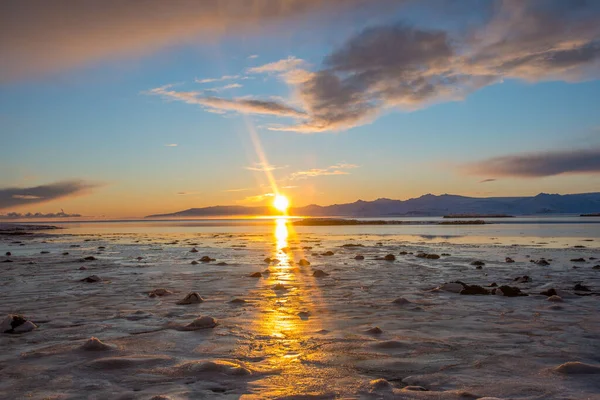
x: 297, y: 333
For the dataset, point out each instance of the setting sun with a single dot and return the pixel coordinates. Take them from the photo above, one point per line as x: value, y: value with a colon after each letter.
x: 281, y: 203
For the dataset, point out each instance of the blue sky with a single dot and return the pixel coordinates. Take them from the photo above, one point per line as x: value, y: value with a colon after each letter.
x: 91, y: 117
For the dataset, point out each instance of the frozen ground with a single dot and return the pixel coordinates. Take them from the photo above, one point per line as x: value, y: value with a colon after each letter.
x: 296, y: 335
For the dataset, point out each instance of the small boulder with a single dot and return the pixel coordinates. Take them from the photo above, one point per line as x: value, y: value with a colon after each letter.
x: 92, y: 279
x: 319, y: 273
x: 89, y: 258
x: 550, y: 292
x: 267, y: 260
x: 328, y: 253
x: 159, y: 292
x: 522, y: 279
x: 509, y: 260
x: 95, y: 344
x: 279, y: 286
x: 238, y: 301
x: 359, y: 257
x: 401, y: 301
x: 478, y: 263
x: 206, y: 259
x: 255, y: 275
x: 474, y: 290
x: 204, y: 322
x: 542, y: 262
x: 581, y: 288
x: 509, y: 291
x: 191, y: 298
x: 14, y: 323
x: 576, y: 367
x: 389, y: 257
x: 375, y: 331
x: 194, y: 250
x: 578, y: 259
x: 304, y: 262
x: 194, y: 262
x: 8, y: 254
x: 555, y: 299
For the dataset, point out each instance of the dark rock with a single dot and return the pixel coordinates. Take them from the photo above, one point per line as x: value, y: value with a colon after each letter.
x: 522, y: 279
x: 8, y: 254
x: 510, y: 291
x: 101, y: 247
x: 222, y: 263
x: 581, y: 288
x: 15, y: 324
x: 596, y: 267
x: 359, y: 257
x: 279, y: 286
x: 509, y: 260
x: 541, y: 262
x: 493, y: 284
x: 194, y: 262
x: 194, y: 250
x: 428, y: 256
x: 478, y: 263
x: 238, y: 301
x: 7, y: 261
x: 82, y: 268
x: 206, y: 259
x: 89, y: 258
x: 328, y: 253
x: 66, y: 253
x: 389, y: 257
x: 255, y: 275
x: 44, y: 252
x: 320, y: 273
x: 304, y: 262
x: 375, y: 331
x: 549, y: 292
x: 92, y: 279
x: 474, y: 290
x: 445, y: 254
x: 191, y: 298
x: 578, y: 260
x: 403, y: 253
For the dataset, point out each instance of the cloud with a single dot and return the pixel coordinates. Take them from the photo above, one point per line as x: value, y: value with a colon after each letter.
x: 264, y: 167
x: 38, y: 37
x: 337, y: 169
x: 171, y: 145
x: 404, y: 67
x: 240, y: 105
x: 238, y: 190
x: 488, y: 180
x: 230, y: 86
x: 16, y: 215
x: 223, y: 78
x: 16, y: 197
x: 534, y: 165
x: 258, y: 198
x: 253, y: 56
x: 284, y: 65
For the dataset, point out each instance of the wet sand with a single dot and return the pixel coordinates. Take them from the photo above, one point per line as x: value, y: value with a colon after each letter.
x: 287, y: 332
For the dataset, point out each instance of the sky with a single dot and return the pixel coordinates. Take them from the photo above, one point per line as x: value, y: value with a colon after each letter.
x: 124, y: 109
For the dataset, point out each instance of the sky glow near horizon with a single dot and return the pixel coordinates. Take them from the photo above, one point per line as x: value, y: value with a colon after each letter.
x: 223, y: 102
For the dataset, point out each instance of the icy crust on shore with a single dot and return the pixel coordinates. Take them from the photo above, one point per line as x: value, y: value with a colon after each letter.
x: 256, y: 323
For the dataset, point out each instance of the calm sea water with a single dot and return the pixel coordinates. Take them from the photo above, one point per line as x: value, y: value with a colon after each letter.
x: 557, y: 230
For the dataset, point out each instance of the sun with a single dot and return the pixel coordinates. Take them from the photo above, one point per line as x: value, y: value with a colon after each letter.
x: 281, y: 203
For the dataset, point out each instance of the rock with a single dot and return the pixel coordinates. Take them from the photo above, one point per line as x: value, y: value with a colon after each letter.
x: 403, y: 253
x: 509, y: 260
x: 428, y: 256
x: 194, y: 262
x: 191, y: 298
x: 320, y: 273
x: 380, y: 384
x: 576, y: 367
x: 206, y: 259
x: 522, y: 279
x: 279, y: 286
x: 65, y: 253
x: 159, y: 292
x: 89, y: 258
x: 8, y: 254
x: 255, y: 275
x: 304, y: 262
x: 389, y: 257
x: 44, y: 252
x: 493, y: 284
x: 304, y: 315
x: 474, y: 290
x: 375, y: 331
x: 578, y: 260
x: 359, y: 257
x: 101, y: 247
x: 401, y: 301
x: 7, y: 261
x: 82, y: 268
x: 478, y: 263
x: 328, y: 253
x: 454, y: 287
x: 139, y: 258
x: 415, y: 388
x: 541, y: 262
x: 479, y: 267
x: 92, y: 279
x: 596, y: 267
x: 555, y: 298
x: 581, y: 288
x: 275, y: 261
x: 14, y: 323
x: 445, y: 254
x: 194, y: 250
x: 509, y: 291
x: 238, y: 301
x: 267, y: 260
x: 203, y: 322
x: 95, y: 344
x: 550, y: 292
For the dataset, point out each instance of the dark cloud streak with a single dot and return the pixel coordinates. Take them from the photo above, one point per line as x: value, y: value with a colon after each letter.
x: 16, y: 197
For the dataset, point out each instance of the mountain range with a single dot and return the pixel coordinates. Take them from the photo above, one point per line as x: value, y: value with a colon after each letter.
x: 426, y: 205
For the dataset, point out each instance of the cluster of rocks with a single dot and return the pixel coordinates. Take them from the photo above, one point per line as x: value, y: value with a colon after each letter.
x: 14, y: 323
x: 465, y: 289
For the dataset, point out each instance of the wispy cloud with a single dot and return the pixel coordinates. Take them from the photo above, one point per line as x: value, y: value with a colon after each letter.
x: 264, y: 167
x: 16, y: 215
x: 171, y: 145
x: 253, y: 56
x: 240, y: 105
x: 257, y: 198
x: 238, y: 190
x: 283, y: 65
x: 337, y: 169
x: 222, y: 78
x: 488, y: 180
x: 16, y: 197
x: 540, y: 164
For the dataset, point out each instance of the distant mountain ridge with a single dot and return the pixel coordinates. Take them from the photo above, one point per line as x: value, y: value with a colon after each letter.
x: 426, y: 205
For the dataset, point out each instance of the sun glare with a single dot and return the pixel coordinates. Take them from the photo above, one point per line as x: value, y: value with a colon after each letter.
x: 281, y: 203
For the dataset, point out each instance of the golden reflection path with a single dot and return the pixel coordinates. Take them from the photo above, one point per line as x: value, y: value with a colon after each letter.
x: 287, y: 323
